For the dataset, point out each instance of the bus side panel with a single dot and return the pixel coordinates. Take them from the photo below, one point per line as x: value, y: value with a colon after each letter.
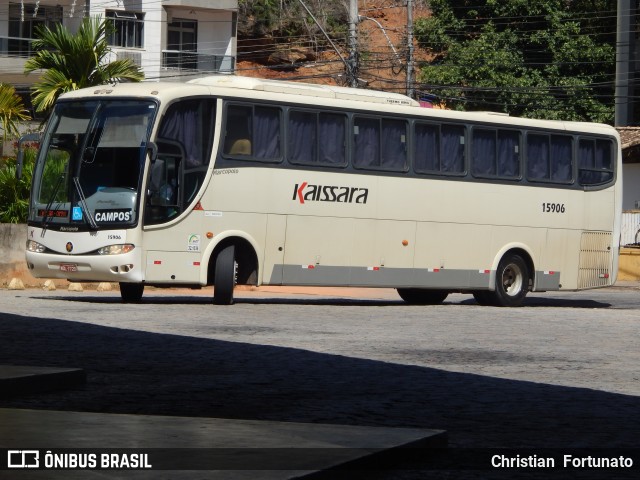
x: 383, y: 253
x: 173, y: 267
x: 558, y: 258
x: 597, y: 210
x: 274, y: 245
x: 175, y: 249
x: 317, y: 250
x: 449, y: 256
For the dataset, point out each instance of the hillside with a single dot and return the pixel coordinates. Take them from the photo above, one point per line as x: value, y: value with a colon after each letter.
x: 380, y: 67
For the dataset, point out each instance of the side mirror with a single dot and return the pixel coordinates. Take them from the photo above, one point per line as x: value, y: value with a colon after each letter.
x: 152, y: 151
x: 29, y: 137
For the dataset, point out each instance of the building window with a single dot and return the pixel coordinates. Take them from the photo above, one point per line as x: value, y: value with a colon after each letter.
x: 24, y: 23
x: 128, y: 29
x: 182, y: 44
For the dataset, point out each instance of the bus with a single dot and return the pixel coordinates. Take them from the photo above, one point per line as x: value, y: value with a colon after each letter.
x: 229, y: 180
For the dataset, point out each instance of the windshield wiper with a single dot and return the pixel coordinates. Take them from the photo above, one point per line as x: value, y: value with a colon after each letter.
x: 47, y: 216
x: 83, y: 201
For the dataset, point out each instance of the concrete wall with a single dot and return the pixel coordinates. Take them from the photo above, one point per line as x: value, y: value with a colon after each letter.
x: 630, y: 186
x: 629, y: 269
x: 12, y: 263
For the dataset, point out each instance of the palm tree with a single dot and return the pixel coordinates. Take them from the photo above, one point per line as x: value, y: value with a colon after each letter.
x: 75, y: 61
x: 11, y: 111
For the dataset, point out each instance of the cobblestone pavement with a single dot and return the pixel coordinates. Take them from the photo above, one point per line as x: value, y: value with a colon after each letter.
x: 560, y: 373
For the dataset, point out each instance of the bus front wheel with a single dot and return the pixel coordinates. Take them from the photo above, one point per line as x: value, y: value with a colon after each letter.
x: 131, y: 292
x: 422, y: 296
x: 512, y: 283
x: 225, y: 276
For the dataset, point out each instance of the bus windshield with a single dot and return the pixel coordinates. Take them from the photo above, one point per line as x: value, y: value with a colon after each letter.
x: 90, y: 165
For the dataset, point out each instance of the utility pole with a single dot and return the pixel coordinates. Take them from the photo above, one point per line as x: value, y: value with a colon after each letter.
x: 353, y: 43
x: 624, y: 51
x: 347, y: 66
x: 410, y: 72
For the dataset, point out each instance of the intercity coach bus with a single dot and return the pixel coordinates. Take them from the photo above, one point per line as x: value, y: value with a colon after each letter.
x: 229, y: 180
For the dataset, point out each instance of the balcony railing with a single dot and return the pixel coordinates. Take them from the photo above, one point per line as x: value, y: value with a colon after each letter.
x: 16, y: 47
x: 171, y: 59
x: 197, y: 62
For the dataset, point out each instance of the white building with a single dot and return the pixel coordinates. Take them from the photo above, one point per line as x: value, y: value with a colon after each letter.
x: 171, y: 39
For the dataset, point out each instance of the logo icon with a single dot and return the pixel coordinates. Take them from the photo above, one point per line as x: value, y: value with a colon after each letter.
x: 69, y: 247
x: 76, y: 213
x: 305, y: 192
x: 23, y: 459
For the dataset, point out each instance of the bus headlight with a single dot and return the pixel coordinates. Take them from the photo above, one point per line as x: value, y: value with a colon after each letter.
x: 116, y: 249
x: 35, y: 247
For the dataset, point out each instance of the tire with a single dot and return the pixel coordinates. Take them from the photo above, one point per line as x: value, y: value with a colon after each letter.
x: 512, y: 283
x: 131, y: 292
x: 225, y: 276
x: 485, y: 298
x: 422, y: 296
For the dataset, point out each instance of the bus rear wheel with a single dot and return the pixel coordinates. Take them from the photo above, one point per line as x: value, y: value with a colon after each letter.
x: 422, y: 296
x: 225, y: 276
x: 131, y: 292
x: 512, y: 283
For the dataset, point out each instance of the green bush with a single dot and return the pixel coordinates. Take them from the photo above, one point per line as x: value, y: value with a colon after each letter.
x: 14, y: 193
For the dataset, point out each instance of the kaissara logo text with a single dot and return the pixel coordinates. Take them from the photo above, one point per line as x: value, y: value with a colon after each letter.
x: 304, y: 192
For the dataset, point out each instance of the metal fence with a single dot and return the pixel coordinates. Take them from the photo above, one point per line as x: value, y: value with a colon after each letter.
x: 197, y: 62
x: 630, y: 230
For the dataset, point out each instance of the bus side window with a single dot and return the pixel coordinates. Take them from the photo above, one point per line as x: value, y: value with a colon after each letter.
x: 185, y: 140
x: 366, y: 142
x: 266, y: 133
x: 537, y: 157
x: 595, y: 161
x: 452, y: 149
x: 483, y: 152
x: 302, y: 145
x: 164, y: 183
x: 508, y: 154
x: 332, y: 125
x: 550, y: 158
x: 237, y: 141
x: 253, y: 133
x: 426, y: 148
x: 394, y: 145
x: 495, y: 153
x: 380, y: 143
x: 561, y: 158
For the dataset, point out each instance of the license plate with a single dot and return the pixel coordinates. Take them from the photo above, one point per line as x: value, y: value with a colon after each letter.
x: 68, y: 267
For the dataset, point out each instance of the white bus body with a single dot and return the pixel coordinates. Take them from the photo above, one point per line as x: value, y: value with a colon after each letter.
x: 158, y: 184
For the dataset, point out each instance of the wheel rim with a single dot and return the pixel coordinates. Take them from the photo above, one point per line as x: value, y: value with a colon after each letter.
x: 512, y: 279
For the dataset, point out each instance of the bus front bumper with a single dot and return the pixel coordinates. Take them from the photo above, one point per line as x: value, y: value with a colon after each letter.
x: 126, y: 267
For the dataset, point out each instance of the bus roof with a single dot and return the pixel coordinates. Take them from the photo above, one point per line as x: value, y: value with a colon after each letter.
x: 255, y: 87
x: 308, y: 89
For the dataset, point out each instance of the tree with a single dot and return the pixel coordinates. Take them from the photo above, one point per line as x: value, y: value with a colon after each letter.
x: 550, y: 59
x: 13, y: 192
x: 75, y: 61
x: 11, y: 111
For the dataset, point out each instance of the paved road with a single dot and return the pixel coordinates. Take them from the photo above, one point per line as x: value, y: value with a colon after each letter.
x: 562, y: 372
